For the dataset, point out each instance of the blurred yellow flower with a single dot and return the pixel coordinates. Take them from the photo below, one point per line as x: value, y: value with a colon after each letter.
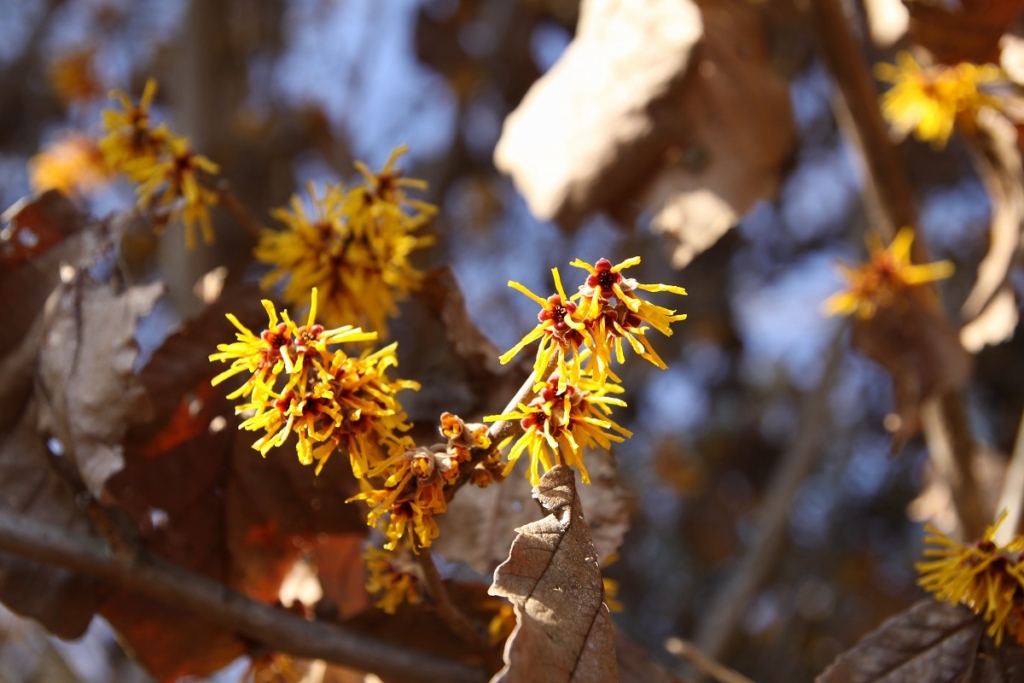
x: 928, y: 101
x: 73, y: 77
x: 73, y: 164
x: 885, y: 279
x: 394, y: 577
x: 178, y: 178
x: 986, y: 577
x: 353, y: 245
x: 130, y: 135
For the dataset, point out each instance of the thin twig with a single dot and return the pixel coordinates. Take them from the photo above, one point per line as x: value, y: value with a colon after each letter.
x: 717, y: 629
x: 704, y: 664
x: 229, y: 200
x: 450, y: 613
x: 274, y: 628
x: 887, y: 178
x: 502, y: 429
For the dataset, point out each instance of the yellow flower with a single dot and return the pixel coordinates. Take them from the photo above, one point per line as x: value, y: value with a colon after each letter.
x: 354, y: 246
x: 73, y: 77
x: 561, y: 421
x: 986, y: 577
x: 502, y: 624
x: 886, y: 280
x: 627, y: 318
x: 395, y: 576
x: 130, y: 134
x: 330, y: 400
x: 74, y: 165
x: 412, y: 495
x: 929, y: 101
x: 561, y: 334
x: 178, y: 177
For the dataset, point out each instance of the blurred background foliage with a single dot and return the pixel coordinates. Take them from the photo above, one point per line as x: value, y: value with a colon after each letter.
x: 279, y: 93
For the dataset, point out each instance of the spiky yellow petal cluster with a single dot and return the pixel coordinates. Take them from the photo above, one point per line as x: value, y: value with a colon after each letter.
x: 173, y: 181
x: 885, y: 280
x: 930, y: 101
x: 984, y: 576
x: 561, y: 421
x: 274, y: 667
x: 297, y: 383
x: 354, y: 247
x: 414, y: 484
x: 594, y: 322
x: 394, y: 577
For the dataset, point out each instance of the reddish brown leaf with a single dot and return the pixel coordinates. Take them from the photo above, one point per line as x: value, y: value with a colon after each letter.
x: 931, y: 642
x: 35, y: 225
x: 966, y: 31
x: 564, y: 630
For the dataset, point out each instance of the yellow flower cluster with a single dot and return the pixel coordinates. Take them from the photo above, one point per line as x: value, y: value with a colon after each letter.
x: 414, y: 482
x: 886, y: 280
x: 929, y: 101
x: 297, y: 384
x: 580, y: 334
x: 394, y: 576
x: 986, y: 577
x: 561, y: 421
x: 173, y: 181
x: 353, y: 246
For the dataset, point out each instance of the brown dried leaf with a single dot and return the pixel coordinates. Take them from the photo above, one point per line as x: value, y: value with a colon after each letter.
x: 583, y: 138
x: 996, y: 322
x: 722, y: 159
x: 638, y: 80
x: 564, y: 630
x: 481, y: 524
x: 34, y: 225
x: 63, y: 601
x: 931, y: 642
x: 922, y: 352
x: 998, y: 160
x: 86, y: 373
x: 966, y: 31
x: 201, y: 497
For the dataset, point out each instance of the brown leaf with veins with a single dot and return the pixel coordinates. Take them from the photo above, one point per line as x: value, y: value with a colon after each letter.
x: 481, y: 524
x: 966, y: 31
x: 932, y: 642
x: 552, y: 576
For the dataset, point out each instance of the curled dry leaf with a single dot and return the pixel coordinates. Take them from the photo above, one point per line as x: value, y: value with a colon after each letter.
x: 721, y: 160
x: 932, y: 642
x: 998, y: 160
x: 564, y: 630
x: 652, y: 100
x: 86, y: 371
x: 922, y: 352
x: 965, y: 31
x: 481, y: 524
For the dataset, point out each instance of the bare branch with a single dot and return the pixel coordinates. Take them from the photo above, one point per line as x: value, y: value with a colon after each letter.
x: 274, y: 628
x: 718, y: 628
